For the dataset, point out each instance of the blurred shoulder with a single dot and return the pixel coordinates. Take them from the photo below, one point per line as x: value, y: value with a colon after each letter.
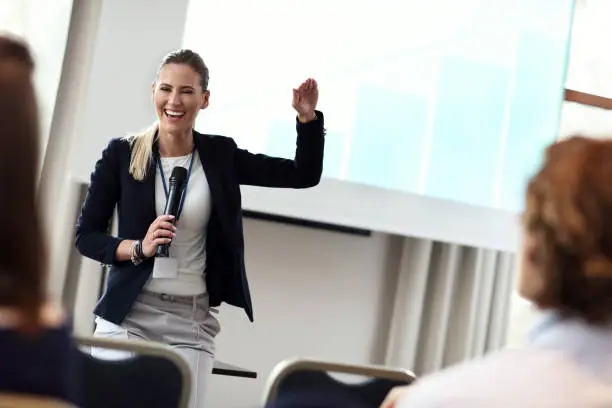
x: 52, y: 316
x: 462, y: 384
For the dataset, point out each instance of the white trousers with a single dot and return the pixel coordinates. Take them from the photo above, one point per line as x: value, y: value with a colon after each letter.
x: 190, y: 329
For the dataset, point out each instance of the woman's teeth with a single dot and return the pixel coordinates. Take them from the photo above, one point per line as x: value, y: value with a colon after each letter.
x: 174, y: 114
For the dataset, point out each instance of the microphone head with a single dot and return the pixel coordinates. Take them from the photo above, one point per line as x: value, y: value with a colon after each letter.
x: 178, y: 176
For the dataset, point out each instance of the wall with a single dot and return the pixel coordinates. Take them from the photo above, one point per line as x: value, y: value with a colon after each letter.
x: 132, y: 37
x: 316, y: 294
x: 58, y: 194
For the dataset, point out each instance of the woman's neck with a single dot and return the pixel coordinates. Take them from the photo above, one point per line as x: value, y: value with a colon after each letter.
x: 50, y: 316
x: 175, y: 144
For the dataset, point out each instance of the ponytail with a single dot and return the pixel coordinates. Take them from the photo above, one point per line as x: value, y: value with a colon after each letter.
x: 142, y: 151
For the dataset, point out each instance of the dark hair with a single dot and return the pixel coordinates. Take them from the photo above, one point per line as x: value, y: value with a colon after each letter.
x: 190, y: 58
x: 568, y: 217
x: 22, y: 269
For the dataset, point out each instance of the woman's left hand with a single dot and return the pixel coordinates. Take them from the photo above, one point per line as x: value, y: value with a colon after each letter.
x: 305, y: 100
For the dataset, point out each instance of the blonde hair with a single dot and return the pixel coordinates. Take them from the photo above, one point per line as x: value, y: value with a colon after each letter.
x: 142, y: 150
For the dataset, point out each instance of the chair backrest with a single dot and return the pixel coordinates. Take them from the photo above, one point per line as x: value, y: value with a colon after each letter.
x: 152, y: 376
x: 9, y: 400
x: 296, y: 382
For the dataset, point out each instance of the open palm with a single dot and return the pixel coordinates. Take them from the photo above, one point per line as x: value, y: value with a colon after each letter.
x: 305, y: 98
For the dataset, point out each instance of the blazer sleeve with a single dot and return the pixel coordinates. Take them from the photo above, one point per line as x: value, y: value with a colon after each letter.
x: 302, y: 172
x: 92, y: 237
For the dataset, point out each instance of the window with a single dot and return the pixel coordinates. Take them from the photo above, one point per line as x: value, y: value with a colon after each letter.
x: 434, y: 97
x: 588, y: 97
x: 586, y: 114
x: 590, y: 62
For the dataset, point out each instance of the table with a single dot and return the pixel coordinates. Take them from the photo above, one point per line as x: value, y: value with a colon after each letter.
x: 221, y: 368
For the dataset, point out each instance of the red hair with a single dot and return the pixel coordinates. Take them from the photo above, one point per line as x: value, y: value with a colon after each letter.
x: 568, y: 217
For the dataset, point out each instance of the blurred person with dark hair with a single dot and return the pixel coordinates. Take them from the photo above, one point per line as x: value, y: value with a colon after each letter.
x: 566, y: 272
x: 36, y: 350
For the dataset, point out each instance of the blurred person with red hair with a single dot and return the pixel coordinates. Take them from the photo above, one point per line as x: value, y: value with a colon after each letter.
x: 566, y: 272
x: 36, y: 350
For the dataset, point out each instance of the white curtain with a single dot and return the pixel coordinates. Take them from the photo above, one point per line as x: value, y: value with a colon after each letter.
x: 451, y: 304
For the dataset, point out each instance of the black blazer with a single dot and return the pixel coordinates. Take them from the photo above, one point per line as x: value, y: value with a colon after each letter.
x: 226, y: 168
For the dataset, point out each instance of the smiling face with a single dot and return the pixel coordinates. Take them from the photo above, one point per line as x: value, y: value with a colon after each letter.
x: 178, y: 97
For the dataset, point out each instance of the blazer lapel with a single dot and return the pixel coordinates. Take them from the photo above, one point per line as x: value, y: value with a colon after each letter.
x: 149, y: 184
x: 210, y: 170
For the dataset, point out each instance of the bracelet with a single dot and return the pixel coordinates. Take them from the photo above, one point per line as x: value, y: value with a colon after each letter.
x: 139, y: 252
x: 135, y: 251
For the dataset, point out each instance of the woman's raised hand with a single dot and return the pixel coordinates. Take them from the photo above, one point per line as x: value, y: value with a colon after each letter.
x: 305, y: 99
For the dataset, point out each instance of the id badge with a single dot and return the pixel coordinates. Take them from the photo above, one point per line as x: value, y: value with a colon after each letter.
x: 165, y: 268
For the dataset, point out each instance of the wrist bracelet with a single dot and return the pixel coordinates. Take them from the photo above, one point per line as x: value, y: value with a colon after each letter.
x: 134, y: 253
x: 139, y: 252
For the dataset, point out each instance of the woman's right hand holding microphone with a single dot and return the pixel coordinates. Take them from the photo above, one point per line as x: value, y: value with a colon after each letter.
x: 161, y: 231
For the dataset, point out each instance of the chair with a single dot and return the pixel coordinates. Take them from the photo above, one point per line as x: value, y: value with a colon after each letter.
x: 298, y: 380
x: 10, y: 400
x: 152, y: 376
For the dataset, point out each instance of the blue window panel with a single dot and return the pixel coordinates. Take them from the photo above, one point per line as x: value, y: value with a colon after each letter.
x: 332, y: 159
x: 281, y: 139
x: 387, y: 143
x: 535, y: 112
x: 281, y: 143
x: 467, y: 131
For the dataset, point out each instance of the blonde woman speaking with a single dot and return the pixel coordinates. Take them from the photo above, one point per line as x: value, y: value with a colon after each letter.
x: 172, y: 304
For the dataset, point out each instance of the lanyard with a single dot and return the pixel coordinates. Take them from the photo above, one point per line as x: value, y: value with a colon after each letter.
x: 163, y: 177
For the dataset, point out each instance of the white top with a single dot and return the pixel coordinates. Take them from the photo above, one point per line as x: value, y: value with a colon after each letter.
x: 567, y: 364
x: 189, y: 245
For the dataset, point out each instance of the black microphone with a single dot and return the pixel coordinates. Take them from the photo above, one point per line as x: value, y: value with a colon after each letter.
x: 177, y: 183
